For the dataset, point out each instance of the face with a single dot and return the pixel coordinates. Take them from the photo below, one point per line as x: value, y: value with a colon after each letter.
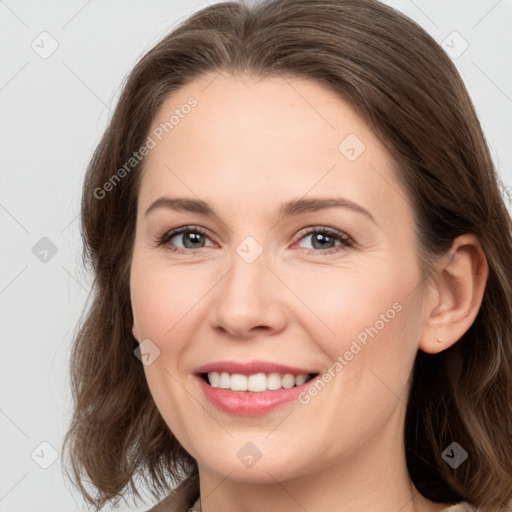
x: 268, y: 274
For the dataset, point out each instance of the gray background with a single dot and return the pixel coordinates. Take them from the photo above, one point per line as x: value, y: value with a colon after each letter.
x: 53, y: 112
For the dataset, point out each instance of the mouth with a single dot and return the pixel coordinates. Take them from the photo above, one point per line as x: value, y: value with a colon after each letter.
x: 255, y: 394
x: 255, y: 383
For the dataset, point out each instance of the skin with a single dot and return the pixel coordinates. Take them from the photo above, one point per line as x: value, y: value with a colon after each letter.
x: 247, y: 147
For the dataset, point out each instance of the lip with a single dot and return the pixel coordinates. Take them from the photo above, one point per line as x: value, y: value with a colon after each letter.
x: 251, y: 367
x: 248, y: 403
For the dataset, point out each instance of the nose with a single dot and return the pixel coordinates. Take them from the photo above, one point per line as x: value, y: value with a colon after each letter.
x: 249, y: 300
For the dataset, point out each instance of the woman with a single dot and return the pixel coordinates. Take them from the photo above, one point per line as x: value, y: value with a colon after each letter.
x: 296, y: 227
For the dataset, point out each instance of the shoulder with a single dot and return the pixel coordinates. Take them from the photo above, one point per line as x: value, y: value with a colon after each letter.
x: 181, y: 498
x: 460, y: 507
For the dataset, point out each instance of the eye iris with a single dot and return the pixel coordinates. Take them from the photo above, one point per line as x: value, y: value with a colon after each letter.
x: 320, y: 237
x: 196, y: 238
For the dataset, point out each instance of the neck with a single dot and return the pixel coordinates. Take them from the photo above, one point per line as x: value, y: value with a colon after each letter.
x: 372, y: 477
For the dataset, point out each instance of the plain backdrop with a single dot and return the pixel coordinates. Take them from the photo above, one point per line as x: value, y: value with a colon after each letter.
x: 62, y: 64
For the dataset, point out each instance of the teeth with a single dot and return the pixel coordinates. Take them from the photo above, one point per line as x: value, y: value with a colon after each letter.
x: 257, y: 382
x: 300, y: 379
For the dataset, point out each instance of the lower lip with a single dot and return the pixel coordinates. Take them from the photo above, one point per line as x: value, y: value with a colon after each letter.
x: 247, y: 403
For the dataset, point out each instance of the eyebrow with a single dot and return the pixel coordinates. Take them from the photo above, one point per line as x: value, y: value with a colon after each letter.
x: 293, y: 207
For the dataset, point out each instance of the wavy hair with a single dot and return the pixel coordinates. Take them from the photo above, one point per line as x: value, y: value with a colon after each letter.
x: 409, y: 91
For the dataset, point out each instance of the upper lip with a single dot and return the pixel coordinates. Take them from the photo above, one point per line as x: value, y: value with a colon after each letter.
x: 251, y: 367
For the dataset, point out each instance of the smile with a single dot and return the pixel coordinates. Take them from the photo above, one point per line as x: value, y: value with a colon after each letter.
x: 256, y: 383
x: 248, y: 403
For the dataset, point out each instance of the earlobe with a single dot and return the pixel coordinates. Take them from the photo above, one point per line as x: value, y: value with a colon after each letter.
x: 459, y: 285
x: 134, y: 333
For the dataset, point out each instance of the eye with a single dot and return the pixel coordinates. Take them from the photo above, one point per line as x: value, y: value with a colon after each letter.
x: 192, y: 238
x: 324, y: 239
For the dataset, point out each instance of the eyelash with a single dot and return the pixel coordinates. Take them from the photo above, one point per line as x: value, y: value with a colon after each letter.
x: 345, y: 240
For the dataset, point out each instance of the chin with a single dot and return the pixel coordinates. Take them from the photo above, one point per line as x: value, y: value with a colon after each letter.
x: 260, y: 472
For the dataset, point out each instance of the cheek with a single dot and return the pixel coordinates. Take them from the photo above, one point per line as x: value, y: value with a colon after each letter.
x: 162, y: 297
x: 343, y: 302
x: 369, y: 317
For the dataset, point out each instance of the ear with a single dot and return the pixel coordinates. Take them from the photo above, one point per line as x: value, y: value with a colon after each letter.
x: 457, y: 289
x: 135, y: 333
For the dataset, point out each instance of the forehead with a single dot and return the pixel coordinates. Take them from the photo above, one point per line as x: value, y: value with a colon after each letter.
x: 274, y: 136
x: 244, y: 111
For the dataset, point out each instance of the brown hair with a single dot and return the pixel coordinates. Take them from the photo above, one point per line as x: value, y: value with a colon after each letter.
x: 410, y: 93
